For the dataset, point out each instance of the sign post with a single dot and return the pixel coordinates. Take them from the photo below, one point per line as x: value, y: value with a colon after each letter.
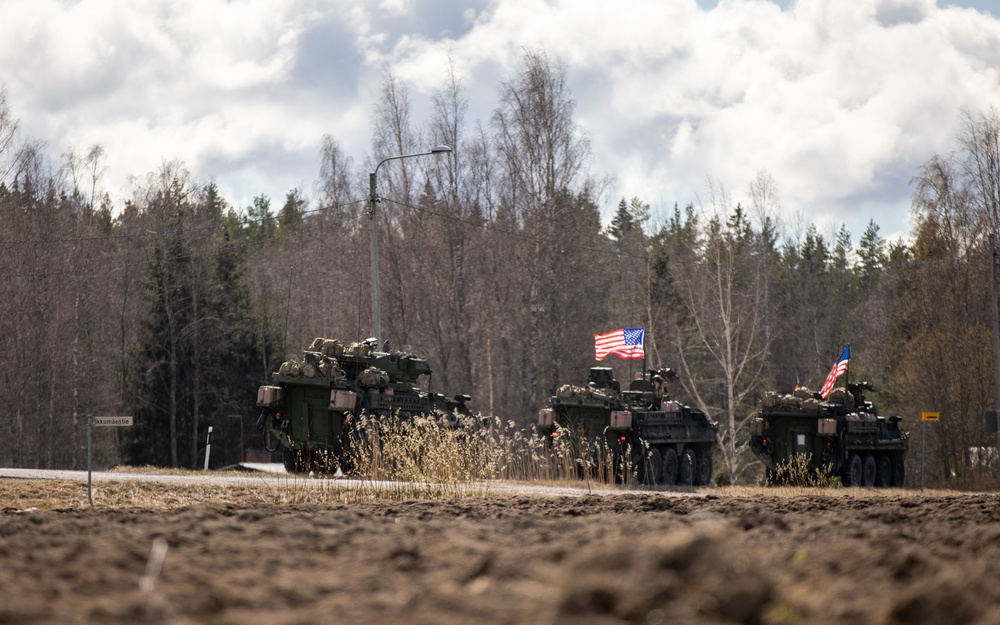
x: 208, y: 446
x: 105, y: 422
x: 924, y: 418
x: 90, y: 428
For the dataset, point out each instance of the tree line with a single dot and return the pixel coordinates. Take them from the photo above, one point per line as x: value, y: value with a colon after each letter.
x: 494, y: 266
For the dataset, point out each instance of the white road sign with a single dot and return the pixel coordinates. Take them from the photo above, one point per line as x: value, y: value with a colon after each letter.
x: 114, y: 421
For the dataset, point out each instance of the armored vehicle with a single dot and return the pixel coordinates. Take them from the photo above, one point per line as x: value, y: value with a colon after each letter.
x: 665, y: 441
x: 312, y: 409
x: 843, y: 435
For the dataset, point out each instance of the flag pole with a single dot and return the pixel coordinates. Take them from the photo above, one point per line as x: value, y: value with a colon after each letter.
x: 847, y: 378
x: 645, y: 365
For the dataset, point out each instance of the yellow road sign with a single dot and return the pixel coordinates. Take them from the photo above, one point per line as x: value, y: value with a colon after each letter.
x: 930, y: 416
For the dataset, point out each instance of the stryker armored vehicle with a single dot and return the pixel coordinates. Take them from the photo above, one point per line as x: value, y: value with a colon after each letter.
x: 664, y: 441
x: 843, y: 435
x: 313, y: 409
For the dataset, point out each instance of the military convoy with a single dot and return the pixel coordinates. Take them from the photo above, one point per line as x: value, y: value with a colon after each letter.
x: 840, y: 436
x: 312, y: 409
x: 641, y: 428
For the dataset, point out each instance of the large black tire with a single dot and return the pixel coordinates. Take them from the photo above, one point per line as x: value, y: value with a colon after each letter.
x: 883, y: 471
x: 288, y: 459
x: 851, y: 475
x: 670, y: 466
x: 354, y: 445
x: 346, y: 458
x: 652, y: 467
x: 325, y: 462
x: 688, y: 464
x: 619, y: 470
x: 704, y: 469
x: 898, y: 471
x: 296, y: 461
x: 868, y: 471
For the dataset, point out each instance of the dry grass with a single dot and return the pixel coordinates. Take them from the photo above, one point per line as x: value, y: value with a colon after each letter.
x: 20, y: 495
x: 401, y: 460
x: 798, y: 471
x: 425, y: 452
x: 151, y: 470
x: 24, y: 495
x: 393, y: 460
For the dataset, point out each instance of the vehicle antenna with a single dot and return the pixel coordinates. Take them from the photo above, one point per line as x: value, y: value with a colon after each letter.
x: 360, y: 287
x: 288, y: 305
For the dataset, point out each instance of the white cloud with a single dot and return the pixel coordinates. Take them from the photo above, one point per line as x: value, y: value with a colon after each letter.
x: 839, y: 102
x: 836, y: 100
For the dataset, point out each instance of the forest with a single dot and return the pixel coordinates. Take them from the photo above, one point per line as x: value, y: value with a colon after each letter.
x: 172, y: 305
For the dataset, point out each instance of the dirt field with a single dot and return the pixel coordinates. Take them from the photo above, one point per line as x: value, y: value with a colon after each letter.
x: 725, y: 557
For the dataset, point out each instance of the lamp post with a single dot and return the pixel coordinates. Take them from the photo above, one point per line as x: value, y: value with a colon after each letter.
x: 374, y: 200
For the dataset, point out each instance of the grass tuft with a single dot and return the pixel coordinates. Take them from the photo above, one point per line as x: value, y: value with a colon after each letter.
x: 797, y: 471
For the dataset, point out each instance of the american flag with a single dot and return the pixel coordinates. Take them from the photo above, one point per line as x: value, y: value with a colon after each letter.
x: 624, y: 343
x: 838, y: 370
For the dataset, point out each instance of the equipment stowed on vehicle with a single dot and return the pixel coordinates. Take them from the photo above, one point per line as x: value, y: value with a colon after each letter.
x: 313, y: 409
x: 664, y: 441
x: 842, y: 435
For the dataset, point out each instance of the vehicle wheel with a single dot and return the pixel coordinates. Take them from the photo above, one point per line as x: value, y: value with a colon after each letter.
x: 670, y: 466
x: 852, y: 471
x: 618, y: 466
x: 883, y: 471
x: 652, y: 467
x: 325, y: 462
x: 687, y: 467
x: 346, y: 458
x: 868, y: 471
x: 898, y: 471
x: 296, y: 460
x: 703, y: 471
x: 288, y: 459
x: 356, y: 450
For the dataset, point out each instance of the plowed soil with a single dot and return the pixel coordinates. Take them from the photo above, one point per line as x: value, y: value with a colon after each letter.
x: 801, y: 557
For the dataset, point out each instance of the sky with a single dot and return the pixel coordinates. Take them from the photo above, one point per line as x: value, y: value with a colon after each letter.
x: 838, y: 102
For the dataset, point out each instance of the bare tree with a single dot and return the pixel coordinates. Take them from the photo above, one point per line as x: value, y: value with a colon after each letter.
x: 980, y: 140
x: 944, y: 356
x: 334, y: 186
x: 8, y: 132
x: 395, y: 136
x: 726, y: 336
x: 96, y: 167
x: 544, y: 190
x: 448, y: 226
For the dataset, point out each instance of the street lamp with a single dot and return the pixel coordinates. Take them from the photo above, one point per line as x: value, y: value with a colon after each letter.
x: 376, y: 311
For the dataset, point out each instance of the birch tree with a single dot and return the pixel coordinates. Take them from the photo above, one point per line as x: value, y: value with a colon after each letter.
x: 546, y: 192
x: 724, y: 339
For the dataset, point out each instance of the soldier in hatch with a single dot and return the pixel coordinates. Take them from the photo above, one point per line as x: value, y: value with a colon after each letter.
x: 661, y: 384
x: 658, y: 389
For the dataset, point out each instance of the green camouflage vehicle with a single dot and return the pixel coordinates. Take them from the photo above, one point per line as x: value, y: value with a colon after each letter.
x: 665, y: 441
x: 842, y: 436
x: 312, y: 409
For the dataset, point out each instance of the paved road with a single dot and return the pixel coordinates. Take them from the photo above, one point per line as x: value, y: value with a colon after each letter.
x: 272, y: 477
